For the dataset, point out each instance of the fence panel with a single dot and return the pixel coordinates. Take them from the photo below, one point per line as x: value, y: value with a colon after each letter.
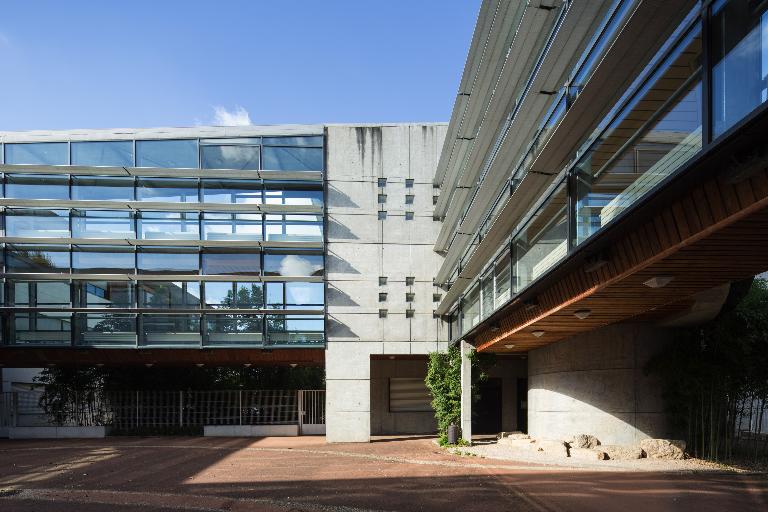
x: 128, y: 411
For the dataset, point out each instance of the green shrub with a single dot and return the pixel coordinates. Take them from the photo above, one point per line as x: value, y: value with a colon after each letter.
x: 444, y: 383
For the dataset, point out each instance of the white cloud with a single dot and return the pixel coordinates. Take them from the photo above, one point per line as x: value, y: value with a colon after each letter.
x: 236, y: 117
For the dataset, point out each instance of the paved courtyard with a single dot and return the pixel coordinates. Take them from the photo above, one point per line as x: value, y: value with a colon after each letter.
x: 305, y: 474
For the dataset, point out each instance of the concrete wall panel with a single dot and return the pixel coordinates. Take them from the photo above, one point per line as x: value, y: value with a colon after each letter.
x: 594, y: 384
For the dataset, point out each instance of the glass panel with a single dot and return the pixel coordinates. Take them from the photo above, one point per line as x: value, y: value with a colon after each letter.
x: 292, y: 159
x: 106, y: 294
x: 487, y: 295
x: 654, y: 135
x: 543, y: 242
x: 294, y: 228
x: 234, y: 330
x: 313, y: 140
x: 294, y: 196
x: 740, y: 61
x: 32, y: 258
x: 167, y: 294
x: 230, y: 157
x: 503, y: 277
x: 232, y: 226
x: 231, y: 262
x: 295, y: 329
x: 232, y: 191
x: 168, y: 260
x: 38, y: 153
x: 470, y: 308
x: 40, y: 293
x: 170, y: 190
x: 44, y: 328
x: 37, y: 223
x: 102, y: 188
x: 102, y: 224
x: 118, y: 153
x: 179, y: 154
x: 229, y: 295
x: 103, y: 260
x: 278, y: 263
x: 304, y: 295
x: 170, y: 330
x: 169, y: 226
x: 36, y: 186
x: 106, y: 329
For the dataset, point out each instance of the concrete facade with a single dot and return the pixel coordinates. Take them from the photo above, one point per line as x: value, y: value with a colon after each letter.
x: 361, y: 248
x: 595, y: 384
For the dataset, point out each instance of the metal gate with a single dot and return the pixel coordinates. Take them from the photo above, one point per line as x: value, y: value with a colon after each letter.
x: 312, y: 412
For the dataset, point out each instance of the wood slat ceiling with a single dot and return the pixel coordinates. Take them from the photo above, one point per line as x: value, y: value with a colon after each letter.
x: 33, y: 357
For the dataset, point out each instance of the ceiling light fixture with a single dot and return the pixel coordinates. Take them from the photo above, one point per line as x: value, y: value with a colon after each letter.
x: 200, y: 365
x: 509, y: 346
x: 658, y: 281
x: 149, y: 365
x: 294, y: 365
x: 581, y: 314
x: 538, y: 334
x: 247, y: 365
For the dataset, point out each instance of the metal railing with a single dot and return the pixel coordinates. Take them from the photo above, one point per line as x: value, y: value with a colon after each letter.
x: 128, y: 411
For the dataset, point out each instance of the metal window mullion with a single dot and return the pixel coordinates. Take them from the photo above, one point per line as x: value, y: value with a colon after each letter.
x: 706, y: 76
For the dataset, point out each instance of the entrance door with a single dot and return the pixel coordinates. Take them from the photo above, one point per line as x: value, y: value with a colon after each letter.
x: 486, y: 412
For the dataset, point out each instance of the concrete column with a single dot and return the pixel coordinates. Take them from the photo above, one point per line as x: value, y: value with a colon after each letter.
x: 466, y: 391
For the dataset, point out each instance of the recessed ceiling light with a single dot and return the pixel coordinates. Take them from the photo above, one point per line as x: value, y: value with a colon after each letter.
x: 149, y: 365
x: 581, y: 314
x: 538, y: 334
x: 99, y: 365
x: 391, y: 357
x: 200, y: 365
x: 294, y: 365
x: 509, y: 346
x: 658, y: 281
x: 247, y: 365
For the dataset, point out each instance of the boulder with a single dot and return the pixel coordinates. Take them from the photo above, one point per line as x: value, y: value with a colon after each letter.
x: 513, y: 435
x: 619, y: 452
x: 587, y: 454
x: 584, y: 441
x: 523, y: 442
x: 558, y: 448
x: 667, y: 449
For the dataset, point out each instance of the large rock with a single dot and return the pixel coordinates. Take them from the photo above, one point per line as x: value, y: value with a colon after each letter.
x: 522, y: 442
x: 558, y: 448
x: 584, y: 441
x: 663, y: 448
x: 587, y: 454
x: 618, y: 452
x: 513, y: 435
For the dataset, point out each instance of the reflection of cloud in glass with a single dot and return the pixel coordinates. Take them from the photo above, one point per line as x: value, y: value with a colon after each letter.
x: 304, y: 293
x: 292, y: 265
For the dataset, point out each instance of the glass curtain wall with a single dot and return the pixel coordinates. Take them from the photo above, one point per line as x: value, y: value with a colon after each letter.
x: 126, y: 265
x: 654, y: 132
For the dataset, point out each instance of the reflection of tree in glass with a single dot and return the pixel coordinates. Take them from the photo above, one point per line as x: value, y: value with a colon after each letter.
x: 246, y: 296
x: 33, y: 259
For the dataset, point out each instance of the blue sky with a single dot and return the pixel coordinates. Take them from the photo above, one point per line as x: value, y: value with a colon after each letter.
x: 89, y: 64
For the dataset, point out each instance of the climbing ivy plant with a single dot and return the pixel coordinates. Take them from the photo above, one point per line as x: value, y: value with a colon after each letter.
x: 444, y: 383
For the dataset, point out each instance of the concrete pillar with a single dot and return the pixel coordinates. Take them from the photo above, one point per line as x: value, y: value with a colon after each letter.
x: 594, y: 383
x: 466, y: 391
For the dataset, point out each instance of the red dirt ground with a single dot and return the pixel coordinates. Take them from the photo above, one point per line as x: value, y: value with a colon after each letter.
x: 305, y: 474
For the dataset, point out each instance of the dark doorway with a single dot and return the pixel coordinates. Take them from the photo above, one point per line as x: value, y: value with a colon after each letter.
x: 486, y: 417
x: 522, y: 405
